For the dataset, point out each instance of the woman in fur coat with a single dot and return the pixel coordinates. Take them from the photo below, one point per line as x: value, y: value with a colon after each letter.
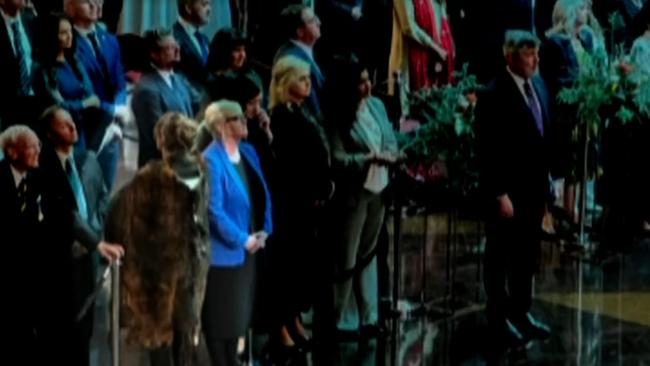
x: 161, y: 217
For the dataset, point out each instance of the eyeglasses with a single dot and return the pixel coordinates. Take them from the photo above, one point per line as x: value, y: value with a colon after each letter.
x: 239, y: 118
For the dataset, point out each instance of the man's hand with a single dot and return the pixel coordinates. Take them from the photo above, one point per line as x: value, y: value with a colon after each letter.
x: 357, y: 13
x: 110, y: 251
x: 506, y: 210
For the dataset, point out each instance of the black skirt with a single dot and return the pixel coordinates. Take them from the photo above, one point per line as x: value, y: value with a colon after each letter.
x: 229, y: 300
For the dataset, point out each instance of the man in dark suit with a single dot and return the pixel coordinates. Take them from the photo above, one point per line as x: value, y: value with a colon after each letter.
x: 77, y: 201
x: 20, y: 220
x: 303, y: 30
x: 513, y: 117
x: 17, y: 36
x: 193, y: 14
x: 159, y: 91
x: 99, y: 52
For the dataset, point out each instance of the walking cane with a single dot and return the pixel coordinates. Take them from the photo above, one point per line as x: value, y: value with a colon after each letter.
x: 115, y: 312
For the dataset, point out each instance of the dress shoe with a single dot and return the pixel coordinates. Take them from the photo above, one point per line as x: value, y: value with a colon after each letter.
x: 532, y: 328
x: 371, y: 331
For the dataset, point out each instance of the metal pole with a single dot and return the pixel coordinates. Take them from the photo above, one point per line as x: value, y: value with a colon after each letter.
x: 115, y: 312
x: 583, y: 188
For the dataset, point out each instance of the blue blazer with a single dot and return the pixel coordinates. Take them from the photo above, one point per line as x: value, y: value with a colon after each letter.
x: 317, y: 78
x: 110, y: 48
x: 229, y: 206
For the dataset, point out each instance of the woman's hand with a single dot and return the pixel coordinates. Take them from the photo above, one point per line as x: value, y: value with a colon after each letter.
x: 91, y: 101
x: 253, y: 244
x: 265, y: 124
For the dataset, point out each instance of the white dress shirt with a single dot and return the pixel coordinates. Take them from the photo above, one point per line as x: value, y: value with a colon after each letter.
x: 18, y: 176
x: 166, y: 75
x: 84, y: 35
x: 520, y: 85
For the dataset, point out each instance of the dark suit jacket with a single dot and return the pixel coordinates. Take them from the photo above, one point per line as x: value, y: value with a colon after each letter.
x: 12, y: 109
x: 22, y: 250
x: 513, y: 153
x: 151, y: 99
x: 67, y: 227
x: 317, y: 79
x: 111, y: 88
x: 192, y: 64
x: 18, y: 228
x: 61, y: 197
x: 301, y: 168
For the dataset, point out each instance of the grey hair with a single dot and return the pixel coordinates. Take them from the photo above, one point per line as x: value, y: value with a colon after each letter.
x: 516, y: 39
x: 12, y: 135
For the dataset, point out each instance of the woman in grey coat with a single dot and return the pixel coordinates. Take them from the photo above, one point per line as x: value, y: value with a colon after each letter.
x: 364, y: 145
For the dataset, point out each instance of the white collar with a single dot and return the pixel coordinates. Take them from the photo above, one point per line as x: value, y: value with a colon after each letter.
x: 189, y: 27
x: 85, y: 32
x: 518, y: 79
x: 234, y: 158
x: 165, y: 74
x: 63, y: 158
x: 18, y: 176
x: 9, y: 19
x: 308, y: 49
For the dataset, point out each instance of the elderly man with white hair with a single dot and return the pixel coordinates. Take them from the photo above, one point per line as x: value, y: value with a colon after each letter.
x: 20, y: 221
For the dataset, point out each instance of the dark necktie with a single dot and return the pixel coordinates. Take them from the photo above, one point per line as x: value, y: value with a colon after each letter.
x: 22, y: 194
x: 534, y: 108
x: 203, y: 44
x: 23, y: 71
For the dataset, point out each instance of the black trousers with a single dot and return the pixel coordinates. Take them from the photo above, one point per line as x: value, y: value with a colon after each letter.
x: 511, y: 259
x: 223, y: 352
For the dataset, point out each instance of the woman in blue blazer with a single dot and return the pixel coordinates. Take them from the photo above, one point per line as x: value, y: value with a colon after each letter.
x: 60, y: 78
x: 239, y: 210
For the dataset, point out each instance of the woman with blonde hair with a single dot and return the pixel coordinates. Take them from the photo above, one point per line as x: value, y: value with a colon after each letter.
x: 239, y: 211
x: 301, y: 187
x: 160, y: 217
x: 570, y: 42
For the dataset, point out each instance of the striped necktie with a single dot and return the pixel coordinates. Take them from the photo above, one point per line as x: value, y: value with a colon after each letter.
x: 22, y: 194
x: 534, y: 108
x: 21, y: 57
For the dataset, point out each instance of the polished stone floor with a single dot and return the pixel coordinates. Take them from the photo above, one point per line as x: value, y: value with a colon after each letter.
x: 599, y: 311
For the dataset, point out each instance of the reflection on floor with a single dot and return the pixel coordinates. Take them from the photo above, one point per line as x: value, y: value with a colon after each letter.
x: 599, y: 312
